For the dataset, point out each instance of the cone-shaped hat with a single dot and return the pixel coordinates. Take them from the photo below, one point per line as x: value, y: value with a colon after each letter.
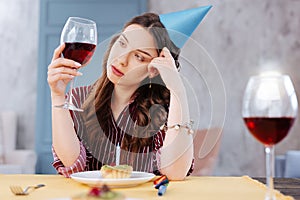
x: 181, y: 24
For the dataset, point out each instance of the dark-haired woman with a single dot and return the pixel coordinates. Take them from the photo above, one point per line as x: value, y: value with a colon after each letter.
x: 139, y: 104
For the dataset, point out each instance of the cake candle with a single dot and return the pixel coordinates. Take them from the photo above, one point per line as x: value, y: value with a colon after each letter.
x: 118, y: 154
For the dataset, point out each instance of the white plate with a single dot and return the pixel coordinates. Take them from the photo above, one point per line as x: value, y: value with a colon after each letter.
x: 93, y: 178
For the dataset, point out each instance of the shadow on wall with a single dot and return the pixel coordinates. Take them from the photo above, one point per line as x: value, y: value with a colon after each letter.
x: 206, y: 150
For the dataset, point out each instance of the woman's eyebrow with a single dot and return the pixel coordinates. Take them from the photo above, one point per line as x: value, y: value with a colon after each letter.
x: 142, y: 51
x: 123, y: 35
x: 145, y: 52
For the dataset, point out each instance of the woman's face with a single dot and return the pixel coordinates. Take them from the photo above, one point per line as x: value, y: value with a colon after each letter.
x: 130, y: 55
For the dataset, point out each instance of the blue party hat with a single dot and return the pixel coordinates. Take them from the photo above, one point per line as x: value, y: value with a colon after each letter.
x: 181, y: 24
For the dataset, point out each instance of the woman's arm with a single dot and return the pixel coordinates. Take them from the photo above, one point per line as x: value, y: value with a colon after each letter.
x: 78, y: 166
x: 177, y: 151
x: 64, y: 138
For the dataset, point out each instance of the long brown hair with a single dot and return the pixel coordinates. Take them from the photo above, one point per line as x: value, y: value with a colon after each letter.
x: 148, y: 117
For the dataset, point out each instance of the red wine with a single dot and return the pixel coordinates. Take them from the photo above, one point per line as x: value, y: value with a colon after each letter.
x: 79, y: 52
x: 269, y: 130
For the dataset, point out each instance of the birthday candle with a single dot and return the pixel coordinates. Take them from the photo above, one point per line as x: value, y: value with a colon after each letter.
x: 118, y: 154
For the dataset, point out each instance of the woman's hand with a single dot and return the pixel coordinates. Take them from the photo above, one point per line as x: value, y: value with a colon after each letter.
x: 60, y: 72
x: 166, y: 67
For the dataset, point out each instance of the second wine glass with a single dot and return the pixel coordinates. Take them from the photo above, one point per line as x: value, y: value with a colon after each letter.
x: 269, y: 110
x: 80, y: 38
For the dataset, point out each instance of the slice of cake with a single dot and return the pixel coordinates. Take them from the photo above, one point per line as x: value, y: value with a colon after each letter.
x: 119, y: 171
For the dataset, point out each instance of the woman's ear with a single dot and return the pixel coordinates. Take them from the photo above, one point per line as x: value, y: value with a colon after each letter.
x: 153, y: 72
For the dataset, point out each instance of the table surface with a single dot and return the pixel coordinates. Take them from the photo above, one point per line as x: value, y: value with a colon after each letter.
x: 208, y: 188
x: 287, y: 186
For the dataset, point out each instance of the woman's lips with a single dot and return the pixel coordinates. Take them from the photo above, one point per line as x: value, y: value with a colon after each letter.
x: 116, y: 71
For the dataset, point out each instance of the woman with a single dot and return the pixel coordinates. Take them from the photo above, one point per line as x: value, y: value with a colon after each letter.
x: 139, y: 91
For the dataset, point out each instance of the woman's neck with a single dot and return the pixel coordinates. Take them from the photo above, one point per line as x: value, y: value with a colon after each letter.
x: 121, y: 97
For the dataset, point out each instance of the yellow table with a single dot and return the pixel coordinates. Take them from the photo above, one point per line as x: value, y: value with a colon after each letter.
x: 207, y: 188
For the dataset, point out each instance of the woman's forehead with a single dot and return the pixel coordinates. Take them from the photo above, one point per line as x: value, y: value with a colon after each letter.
x: 138, y: 37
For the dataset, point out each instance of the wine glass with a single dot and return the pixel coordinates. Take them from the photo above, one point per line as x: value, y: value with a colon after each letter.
x: 269, y: 110
x: 80, y: 38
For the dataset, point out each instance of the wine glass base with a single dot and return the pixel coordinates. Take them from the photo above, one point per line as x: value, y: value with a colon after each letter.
x: 69, y: 106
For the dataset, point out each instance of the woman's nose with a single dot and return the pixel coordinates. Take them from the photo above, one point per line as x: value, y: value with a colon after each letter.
x: 123, y: 59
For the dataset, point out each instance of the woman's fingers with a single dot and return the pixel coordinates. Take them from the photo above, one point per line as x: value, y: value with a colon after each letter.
x: 57, y: 77
x: 57, y: 52
x: 59, y: 62
x: 166, y: 53
x: 166, y: 67
x: 61, y: 71
x: 64, y: 70
x: 165, y: 60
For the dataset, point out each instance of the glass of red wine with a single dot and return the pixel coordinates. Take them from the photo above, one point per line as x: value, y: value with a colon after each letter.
x: 269, y: 111
x: 80, y: 38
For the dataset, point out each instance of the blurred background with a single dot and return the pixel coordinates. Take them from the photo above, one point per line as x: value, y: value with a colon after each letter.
x: 241, y: 38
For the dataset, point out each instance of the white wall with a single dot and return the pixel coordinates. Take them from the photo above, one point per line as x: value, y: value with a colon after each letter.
x: 237, y: 34
x: 18, y: 69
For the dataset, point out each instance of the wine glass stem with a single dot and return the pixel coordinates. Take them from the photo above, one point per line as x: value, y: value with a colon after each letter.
x: 70, y: 92
x: 270, y: 172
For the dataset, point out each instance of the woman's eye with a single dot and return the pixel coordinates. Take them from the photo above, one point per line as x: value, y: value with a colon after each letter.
x: 122, y: 43
x: 139, y: 57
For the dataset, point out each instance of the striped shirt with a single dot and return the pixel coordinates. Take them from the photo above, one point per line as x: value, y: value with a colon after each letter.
x: 103, y: 148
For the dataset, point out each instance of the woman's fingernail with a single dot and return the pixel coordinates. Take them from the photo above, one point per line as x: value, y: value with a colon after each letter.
x: 77, y: 64
x: 79, y: 73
